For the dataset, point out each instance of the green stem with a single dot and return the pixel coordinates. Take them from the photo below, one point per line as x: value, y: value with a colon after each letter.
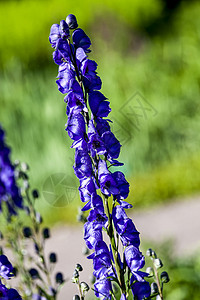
x: 120, y: 275
x: 158, y: 282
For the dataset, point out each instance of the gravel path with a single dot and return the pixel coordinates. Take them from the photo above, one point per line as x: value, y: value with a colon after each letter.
x: 179, y: 221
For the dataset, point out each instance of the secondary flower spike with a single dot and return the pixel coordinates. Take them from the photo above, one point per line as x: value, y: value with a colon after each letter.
x: 96, y: 150
x: 9, y: 191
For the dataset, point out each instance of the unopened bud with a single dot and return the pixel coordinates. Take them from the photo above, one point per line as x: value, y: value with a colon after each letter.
x: 35, y: 194
x: 46, y: 233
x: 27, y: 210
x: 149, y: 270
x: 34, y: 273
x: 59, y: 278
x: 16, y: 163
x: 154, y: 288
x: 53, y: 258
x: 71, y: 21
x: 158, y: 263
x: 76, y: 297
x: 38, y: 218
x: 24, y: 167
x: 164, y: 277
x: 26, y: 184
x: 79, y: 267
x: 27, y: 232
x: 76, y: 274
x: 84, y: 286
x: 15, y: 271
x: 1, y: 235
x: 149, y: 252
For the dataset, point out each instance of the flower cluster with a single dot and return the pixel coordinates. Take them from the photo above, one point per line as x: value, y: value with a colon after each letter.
x: 96, y: 150
x: 6, y: 270
x: 9, y: 192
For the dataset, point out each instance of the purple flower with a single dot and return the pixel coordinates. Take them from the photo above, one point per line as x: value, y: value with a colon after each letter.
x: 64, y: 30
x: 102, y: 126
x: 125, y: 227
x: 87, y: 188
x: 9, y: 192
x: 101, y: 260
x: 98, y: 105
x: 71, y: 21
x: 75, y: 125
x: 134, y: 259
x: 54, y: 35
x: 5, y: 267
x: 80, y: 39
x: 8, y: 294
x: 66, y: 77
x: 122, y: 184
x: 112, y: 144
x: 103, y: 288
x: 97, y: 212
x: 123, y: 297
x: 90, y: 78
x: 83, y: 164
x: 141, y: 289
x: 92, y: 233
x: 107, y: 182
x: 57, y: 32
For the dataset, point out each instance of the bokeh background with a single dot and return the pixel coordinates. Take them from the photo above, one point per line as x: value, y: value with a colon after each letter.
x: 148, y: 57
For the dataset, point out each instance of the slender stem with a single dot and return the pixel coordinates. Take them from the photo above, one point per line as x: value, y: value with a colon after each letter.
x: 120, y: 275
x: 158, y: 283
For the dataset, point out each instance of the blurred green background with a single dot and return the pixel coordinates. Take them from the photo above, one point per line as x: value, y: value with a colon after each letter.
x: 148, y: 56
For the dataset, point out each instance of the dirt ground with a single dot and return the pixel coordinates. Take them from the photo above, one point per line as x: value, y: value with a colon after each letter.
x: 177, y: 220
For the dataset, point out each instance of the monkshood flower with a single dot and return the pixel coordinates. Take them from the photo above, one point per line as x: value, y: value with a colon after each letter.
x: 6, y: 270
x: 8, y: 294
x: 96, y: 150
x: 9, y: 191
x: 5, y: 267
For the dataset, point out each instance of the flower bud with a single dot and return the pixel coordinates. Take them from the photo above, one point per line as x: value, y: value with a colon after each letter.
x: 38, y: 218
x: 59, y: 278
x: 79, y: 267
x: 46, y: 233
x: 76, y: 297
x: 27, y: 232
x: 149, y: 270
x: 164, y: 277
x: 64, y: 29
x: 15, y: 271
x: 84, y: 286
x: 158, y: 263
x: 1, y: 235
x: 26, y: 184
x: 16, y: 163
x: 24, y: 167
x: 53, y: 258
x: 27, y: 210
x: 35, y: 194
x: 71, y: 21
x: 154, y: 288
x: 75, y: 274
x: 34, y: 274
x: 149, y: 252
